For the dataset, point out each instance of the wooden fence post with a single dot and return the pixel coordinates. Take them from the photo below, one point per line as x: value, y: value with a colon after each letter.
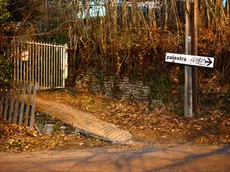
x: 17, y: 104
x: 22, y: 103
x: 6, y: 105
x: 11, y: 94
x: 28, y: 104
x: 35, y: 88
x: 10, y: 100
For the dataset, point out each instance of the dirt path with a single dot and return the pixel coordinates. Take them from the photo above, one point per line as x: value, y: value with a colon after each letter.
x: 174, y: 158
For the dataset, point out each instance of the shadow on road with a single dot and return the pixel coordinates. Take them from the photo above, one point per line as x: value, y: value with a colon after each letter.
x: 148, y: 159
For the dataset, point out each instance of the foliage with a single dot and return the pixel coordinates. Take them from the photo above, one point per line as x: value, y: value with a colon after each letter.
x: 215, y: 43
x: 26, y: 11
x: 4, y: 14
x: 5, y: 64
x: 16, y: 19
x: 129, y: 40
x: 161, y: 87
x: 6, y: 71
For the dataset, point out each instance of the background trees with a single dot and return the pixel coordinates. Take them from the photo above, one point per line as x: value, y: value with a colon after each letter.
x: 130, y: 38
x: 5, y: 64
x: 17, y: 20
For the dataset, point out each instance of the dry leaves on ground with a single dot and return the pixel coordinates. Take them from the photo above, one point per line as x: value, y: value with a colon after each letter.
x: 20, y: 138
x: 157, y: 124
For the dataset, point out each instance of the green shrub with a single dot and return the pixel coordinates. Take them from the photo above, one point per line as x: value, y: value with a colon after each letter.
x: 6, y: 71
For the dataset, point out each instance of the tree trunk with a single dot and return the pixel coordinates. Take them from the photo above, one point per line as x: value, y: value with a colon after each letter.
x: 164, y: 15
x: 227, y: 6
x: 206, y: 14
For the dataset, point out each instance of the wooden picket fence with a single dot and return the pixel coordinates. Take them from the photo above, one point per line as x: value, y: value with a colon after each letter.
x: 17, y: 105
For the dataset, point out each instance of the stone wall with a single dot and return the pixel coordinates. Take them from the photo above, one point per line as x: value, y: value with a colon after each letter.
x: 124, y: 88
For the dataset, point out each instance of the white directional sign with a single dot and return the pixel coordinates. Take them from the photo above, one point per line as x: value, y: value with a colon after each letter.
x: 190, y: 60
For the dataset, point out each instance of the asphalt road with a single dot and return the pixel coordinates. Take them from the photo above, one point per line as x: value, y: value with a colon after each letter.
x: 138, y: 159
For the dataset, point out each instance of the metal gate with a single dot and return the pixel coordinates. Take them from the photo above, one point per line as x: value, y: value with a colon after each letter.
x: 41, y: 63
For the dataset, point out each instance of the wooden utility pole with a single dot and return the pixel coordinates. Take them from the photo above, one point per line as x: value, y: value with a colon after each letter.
x: 191, y: 39
x: 188, y: 91
x: 194, y: 20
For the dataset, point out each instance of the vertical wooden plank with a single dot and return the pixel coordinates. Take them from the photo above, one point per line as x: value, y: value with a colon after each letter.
x: 44, y: 65
x: 55, y: 67
x: 11, y: 105
x: 59, y: 66
x: 35, y: 88
x: 60, y: 73
x: 41, y: 65
x: 22, y: 103
x: 27, y: 63
x: 23, y: 63
x: 32, y: 63
x: 36, y: 63
x: 63, y: 67
x: 15, y: 117
x: 47, y: 65
x: 14, y: 59
x: 39, y: 57
x: 6, y: 105
x: 29, y: 87
x: 65, y: 64
x: 33, y: 53
x: 50, y: 65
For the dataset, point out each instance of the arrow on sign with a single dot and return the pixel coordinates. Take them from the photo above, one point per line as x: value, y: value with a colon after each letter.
x: 209, y: 61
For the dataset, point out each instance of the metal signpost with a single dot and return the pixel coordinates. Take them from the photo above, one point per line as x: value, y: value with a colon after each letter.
x: 189, y: 61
